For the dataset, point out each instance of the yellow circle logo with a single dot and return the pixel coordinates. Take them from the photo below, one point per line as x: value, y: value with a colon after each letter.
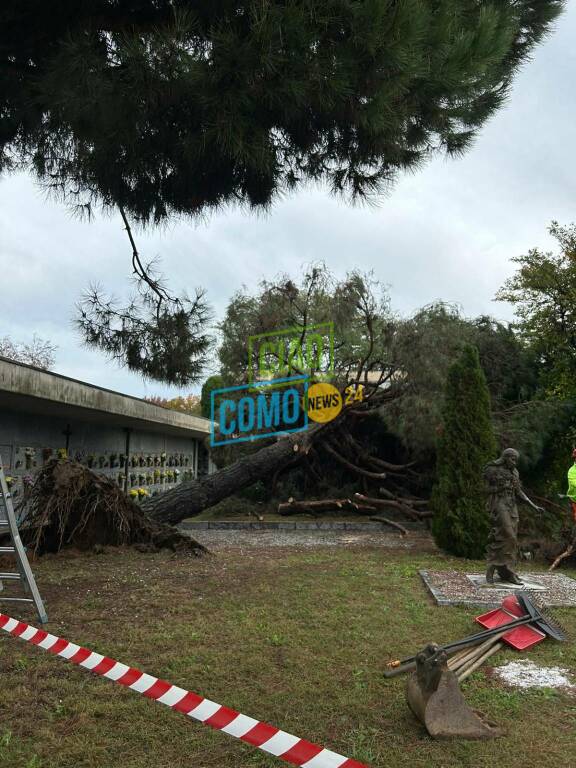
x: 324, y: 402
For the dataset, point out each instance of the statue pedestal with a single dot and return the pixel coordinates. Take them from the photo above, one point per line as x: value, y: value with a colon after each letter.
x: 461, y: 588
x: 527, y: 583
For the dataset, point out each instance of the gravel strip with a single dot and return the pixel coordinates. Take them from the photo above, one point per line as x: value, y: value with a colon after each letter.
x: 215, y: 539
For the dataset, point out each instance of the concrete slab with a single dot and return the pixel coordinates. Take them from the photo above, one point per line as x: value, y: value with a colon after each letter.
x: 480, y: 582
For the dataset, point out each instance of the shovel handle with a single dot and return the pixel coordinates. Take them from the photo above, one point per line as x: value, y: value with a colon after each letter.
x: 399, y: 669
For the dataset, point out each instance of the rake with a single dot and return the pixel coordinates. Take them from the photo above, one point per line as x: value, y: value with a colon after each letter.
x: 535, y: 613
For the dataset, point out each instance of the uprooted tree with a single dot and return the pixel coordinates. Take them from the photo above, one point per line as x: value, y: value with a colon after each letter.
x: 386, y: 444
x: 382, y: 447
x: 401, y: 365
x: 367, y: 353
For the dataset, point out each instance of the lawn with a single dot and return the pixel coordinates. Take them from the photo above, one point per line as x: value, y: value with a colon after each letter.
x: 297, y: 638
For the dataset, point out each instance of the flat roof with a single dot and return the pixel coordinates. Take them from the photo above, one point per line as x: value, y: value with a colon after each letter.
x: 32, y: 389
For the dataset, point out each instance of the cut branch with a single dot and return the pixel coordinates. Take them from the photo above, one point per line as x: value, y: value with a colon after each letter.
x: 293, y: 507
x: 395, y: 504
x: 385, y: 520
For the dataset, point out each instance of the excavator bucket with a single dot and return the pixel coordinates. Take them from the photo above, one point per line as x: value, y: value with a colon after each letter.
x: 434, y: 696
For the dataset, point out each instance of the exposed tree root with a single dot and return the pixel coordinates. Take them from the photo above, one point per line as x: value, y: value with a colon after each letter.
x: 71, y: 506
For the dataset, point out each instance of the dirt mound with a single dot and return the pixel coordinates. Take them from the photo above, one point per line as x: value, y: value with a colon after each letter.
x: 71, y: 506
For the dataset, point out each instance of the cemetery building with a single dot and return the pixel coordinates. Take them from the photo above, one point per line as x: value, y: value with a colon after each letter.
x: 141, y: 446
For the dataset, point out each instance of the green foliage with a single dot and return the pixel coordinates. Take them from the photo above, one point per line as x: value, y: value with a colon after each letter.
x: 509, y: 366
x: 357, y: 306
x: 549, y: 475
x: 535, y: 428
x: 183, y: 403
x: 543, y: 292
x: 460, y: 525
x: 164, y: 340
x: 425, y: 347
x: 213, y: 382
x: 178, y: 107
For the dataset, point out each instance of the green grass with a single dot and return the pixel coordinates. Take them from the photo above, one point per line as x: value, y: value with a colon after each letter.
x: 295, y: 638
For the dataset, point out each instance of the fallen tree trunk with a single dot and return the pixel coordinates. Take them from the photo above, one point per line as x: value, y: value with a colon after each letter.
x: 189, y: 499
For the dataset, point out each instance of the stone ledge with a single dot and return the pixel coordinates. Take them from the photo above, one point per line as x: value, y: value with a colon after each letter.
x: 280, y: 525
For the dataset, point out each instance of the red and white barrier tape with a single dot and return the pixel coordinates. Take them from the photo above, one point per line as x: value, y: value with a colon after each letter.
x: 266, y: 737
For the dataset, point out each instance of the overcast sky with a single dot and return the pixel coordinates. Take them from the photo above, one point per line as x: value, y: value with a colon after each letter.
x: 447, y: 232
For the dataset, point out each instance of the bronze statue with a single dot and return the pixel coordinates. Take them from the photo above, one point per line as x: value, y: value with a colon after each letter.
x: 503, y: 486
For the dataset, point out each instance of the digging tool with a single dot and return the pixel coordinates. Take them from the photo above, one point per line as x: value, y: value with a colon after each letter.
x: 435, y: 698
x: 534, y: 614
x: 472, y: 655
x: 474, y: 664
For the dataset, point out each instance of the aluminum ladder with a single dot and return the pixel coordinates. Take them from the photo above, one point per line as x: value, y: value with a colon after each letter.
x: 24, y: 573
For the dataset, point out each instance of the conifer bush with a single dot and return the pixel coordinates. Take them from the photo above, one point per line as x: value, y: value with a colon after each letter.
x: 461, y: 524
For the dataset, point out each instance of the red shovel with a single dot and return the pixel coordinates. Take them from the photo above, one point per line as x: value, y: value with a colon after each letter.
x: 522, y: 637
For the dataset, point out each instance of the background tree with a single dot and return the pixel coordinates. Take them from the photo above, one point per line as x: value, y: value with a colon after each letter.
x: 211, y: 383
x: 543, y: 293
x: 183, y: 403
x: 39, y: 352
x: 426, y: 345
x: 460, y: 524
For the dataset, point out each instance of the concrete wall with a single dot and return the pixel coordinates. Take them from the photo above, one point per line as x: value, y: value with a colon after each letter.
x: 19, y: 381
x: 43, y: 413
